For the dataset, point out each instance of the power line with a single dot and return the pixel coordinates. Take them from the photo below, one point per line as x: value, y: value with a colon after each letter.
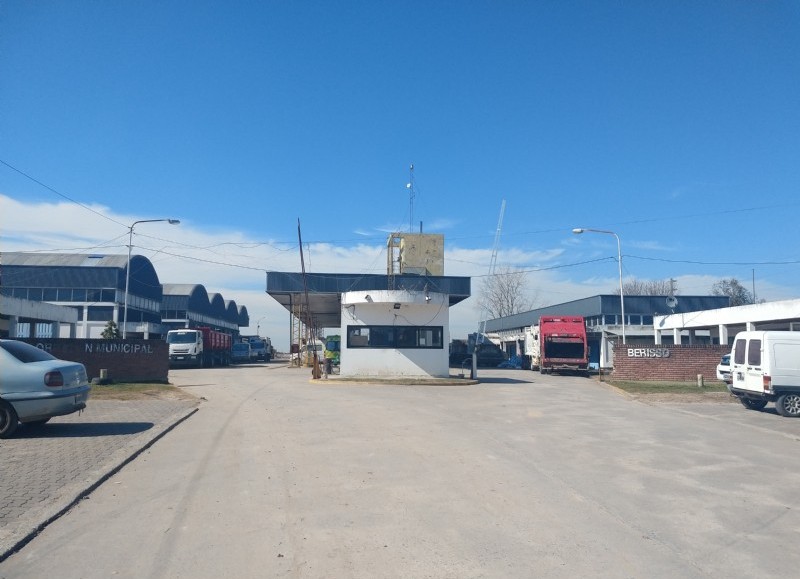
x: 692, y: 262
x: 70, y: 199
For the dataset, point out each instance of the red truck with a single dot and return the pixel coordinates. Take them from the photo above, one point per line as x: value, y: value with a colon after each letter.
x: 558, y: 344
x: 202, y: 346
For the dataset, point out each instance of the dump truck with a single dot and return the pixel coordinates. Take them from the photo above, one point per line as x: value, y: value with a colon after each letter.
x: 203, y: 347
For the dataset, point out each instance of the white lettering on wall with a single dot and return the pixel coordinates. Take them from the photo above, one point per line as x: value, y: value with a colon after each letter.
x: 118, y: 348
x: 648, y: 352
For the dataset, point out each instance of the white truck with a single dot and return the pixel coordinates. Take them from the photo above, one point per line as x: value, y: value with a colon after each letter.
x: 203, y: 347
x: 765, y: 367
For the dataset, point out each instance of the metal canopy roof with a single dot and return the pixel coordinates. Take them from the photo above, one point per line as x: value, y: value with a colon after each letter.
x: 325, y: 290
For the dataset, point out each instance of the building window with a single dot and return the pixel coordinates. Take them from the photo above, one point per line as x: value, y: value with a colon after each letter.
x: 50, y: 294
x: 647, y: 320
x: 100, y: 314
x: 635, y: 320
x: 395, y: 337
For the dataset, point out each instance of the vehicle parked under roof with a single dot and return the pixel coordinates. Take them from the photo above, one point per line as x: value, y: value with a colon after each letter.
x: 241, y: 353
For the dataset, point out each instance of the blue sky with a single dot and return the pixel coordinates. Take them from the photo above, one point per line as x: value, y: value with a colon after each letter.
x: 675, y: 124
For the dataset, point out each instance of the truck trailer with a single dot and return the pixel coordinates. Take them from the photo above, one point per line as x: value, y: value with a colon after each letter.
x: 558, y: 344
x: 202, y: 347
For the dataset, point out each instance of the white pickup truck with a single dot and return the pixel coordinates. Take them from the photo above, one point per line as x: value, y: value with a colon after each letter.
x: 765, y: 367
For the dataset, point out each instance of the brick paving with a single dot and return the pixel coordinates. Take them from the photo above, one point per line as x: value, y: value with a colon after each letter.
x: 44, y: 470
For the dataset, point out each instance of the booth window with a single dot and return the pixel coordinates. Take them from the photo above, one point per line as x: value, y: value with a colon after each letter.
x: 395, y: 337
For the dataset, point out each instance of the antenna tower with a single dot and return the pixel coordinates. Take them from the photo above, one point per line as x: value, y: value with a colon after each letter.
x: 411, y: 194
x: 492, y: 267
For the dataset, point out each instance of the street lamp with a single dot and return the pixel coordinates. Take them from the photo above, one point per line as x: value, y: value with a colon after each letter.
x: 579, y: 230
x: 258, y: 326
x: 128, y: 267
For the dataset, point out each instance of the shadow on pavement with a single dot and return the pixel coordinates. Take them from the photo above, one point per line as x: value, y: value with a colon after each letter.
x: 82, y: 430
x: 494, y: 380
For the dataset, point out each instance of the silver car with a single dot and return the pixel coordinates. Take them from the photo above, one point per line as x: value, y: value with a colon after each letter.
x: 35, y: 386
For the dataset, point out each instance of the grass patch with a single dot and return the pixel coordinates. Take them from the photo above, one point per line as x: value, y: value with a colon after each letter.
x: 138, y: 391
x: 667, y: 387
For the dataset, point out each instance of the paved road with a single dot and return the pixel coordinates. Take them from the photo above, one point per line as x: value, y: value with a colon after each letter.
x: 521, y: 476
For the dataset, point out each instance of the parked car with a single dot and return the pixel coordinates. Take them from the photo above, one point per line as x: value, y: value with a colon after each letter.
x: 724, y: 369
x: 241, y: 353
x: 35, y: 386
x: 489, y: 356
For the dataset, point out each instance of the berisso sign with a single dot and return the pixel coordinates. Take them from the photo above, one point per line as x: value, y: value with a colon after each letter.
x: 648, y: 352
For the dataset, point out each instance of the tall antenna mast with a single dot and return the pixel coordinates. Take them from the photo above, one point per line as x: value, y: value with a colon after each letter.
x: 492, y: 267
x: 411, y: 193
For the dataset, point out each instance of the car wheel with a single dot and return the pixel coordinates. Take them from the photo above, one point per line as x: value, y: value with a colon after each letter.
x: 751, y: 404
x: 8, y: 419
x: 788, y: 405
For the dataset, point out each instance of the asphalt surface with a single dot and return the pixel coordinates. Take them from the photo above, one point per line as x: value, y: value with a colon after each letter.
x: 521, y: 475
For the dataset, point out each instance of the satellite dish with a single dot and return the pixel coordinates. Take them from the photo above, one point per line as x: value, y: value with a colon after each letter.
x: 672, y: 301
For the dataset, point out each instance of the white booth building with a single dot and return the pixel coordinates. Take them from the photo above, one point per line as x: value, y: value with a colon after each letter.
x: 394, y: 333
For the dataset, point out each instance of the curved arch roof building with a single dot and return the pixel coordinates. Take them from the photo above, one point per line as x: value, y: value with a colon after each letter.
x: 187, y: 305
x: 94, y: 285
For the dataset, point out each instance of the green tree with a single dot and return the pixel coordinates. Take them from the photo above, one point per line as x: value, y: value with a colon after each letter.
x: 111, y: 331
x: 732, y: 288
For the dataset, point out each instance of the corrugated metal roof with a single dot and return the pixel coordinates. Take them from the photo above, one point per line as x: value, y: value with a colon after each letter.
x: 180, y: 289
x: 63, y: 259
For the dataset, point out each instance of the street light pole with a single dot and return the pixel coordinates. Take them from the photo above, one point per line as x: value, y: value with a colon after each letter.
x: 128, y: 268
x: 579, y: 230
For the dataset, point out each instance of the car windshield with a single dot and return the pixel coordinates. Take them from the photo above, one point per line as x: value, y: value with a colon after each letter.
x: 25, y: 352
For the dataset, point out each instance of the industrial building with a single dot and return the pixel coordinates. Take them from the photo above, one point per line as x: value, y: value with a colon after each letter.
x: 44, y: 287
x: 604, y: 322
x: 724, y: 323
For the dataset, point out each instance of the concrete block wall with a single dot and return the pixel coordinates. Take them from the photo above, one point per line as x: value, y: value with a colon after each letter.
x: 125, y: 360
x: 666, y: 362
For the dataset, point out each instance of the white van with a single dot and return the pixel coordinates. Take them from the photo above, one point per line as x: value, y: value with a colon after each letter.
x: 765, y: 367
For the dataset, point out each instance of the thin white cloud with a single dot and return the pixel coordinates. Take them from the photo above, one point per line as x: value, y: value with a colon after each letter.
x: 228, y: 262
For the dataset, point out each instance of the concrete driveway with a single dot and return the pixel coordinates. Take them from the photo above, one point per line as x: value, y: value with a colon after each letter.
x: 522, y: 475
